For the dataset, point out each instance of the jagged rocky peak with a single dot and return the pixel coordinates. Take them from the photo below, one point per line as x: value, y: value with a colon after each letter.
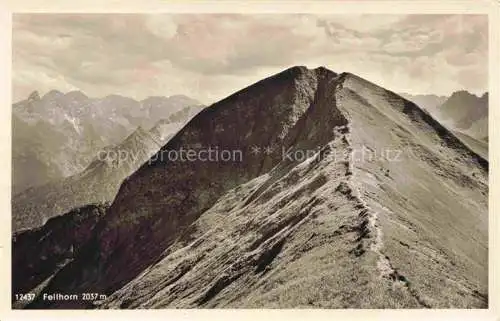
x: 137, y: 138
x: 138, y: 134
x: 463, y: 109
x: 464, y: 97
x: 34, y: 96
x: 462, y: 93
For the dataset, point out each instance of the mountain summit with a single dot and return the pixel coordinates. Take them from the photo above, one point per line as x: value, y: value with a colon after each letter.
x: 467, y: 113
x: 338, y: 194
x: 34, y: 96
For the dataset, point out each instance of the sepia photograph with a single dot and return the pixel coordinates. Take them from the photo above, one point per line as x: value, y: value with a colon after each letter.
x: 249, y: 161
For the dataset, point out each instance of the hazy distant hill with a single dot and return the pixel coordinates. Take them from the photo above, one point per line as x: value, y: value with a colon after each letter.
x: 427, y: 102
x: 466, y: 112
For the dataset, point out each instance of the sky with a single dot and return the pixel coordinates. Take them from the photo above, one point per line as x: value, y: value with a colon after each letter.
x: 210, y: 56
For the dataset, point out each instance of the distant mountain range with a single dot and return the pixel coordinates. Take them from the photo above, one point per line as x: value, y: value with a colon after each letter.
x: 89, y: 136
x: 58, y: 135
x: 98, y: 183
x: 427, y: 102
x: 462, y: 112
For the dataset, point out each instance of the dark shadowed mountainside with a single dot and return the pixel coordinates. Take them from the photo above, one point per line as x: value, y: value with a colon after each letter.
x: 57, y: 243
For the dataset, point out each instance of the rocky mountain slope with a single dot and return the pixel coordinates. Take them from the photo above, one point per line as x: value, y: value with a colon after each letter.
x: 58, y: 135
x: 346, y: 196
x: 478, y: 146
x: 42, y: 152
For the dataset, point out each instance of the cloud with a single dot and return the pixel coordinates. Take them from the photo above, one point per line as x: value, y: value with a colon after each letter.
x: 210, y: 56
